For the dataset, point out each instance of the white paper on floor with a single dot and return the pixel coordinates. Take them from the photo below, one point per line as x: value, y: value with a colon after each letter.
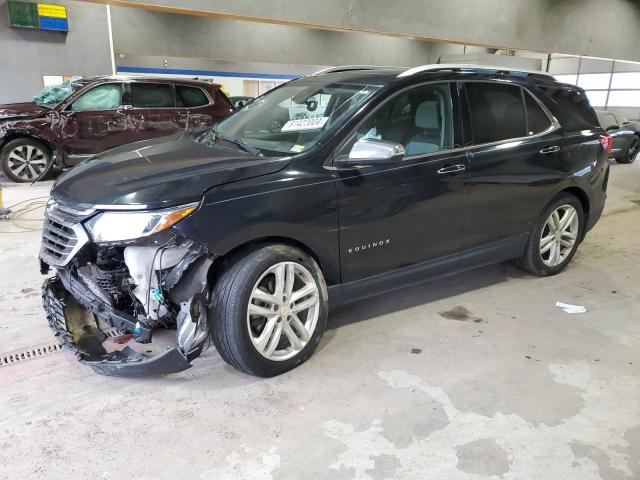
x: 571, y: 308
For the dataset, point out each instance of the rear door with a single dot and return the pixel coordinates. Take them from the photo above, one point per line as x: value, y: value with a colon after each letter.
x: 196, y: 106
x: 94, y: 122
x: 394, y: 216
x: 516, y: 153
x: 153, y: 111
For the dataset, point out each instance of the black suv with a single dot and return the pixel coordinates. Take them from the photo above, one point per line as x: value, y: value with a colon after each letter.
x: 328, y: 189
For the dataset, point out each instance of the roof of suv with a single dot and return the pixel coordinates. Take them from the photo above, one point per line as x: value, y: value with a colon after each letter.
x: 190, y: 81
x: 391, y: 74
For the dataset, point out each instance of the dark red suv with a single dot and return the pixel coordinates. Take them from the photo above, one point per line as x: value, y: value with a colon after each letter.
x: 71, y: 122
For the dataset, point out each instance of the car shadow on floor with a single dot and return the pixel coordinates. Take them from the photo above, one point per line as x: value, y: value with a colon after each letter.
x: 422, y: 294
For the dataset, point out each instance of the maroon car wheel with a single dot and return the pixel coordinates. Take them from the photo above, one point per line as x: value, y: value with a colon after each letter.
x: 24, y: 160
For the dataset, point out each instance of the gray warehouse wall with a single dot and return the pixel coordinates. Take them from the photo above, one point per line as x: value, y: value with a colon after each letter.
x: 581, y: 27
x: 28, y: 54
x: 143, y: 32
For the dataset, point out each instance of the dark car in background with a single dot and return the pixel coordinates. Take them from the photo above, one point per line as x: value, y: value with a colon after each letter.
x: 379, y: 179
x: 71, y: 122
x: 625, y: 136
x: 239, y: 102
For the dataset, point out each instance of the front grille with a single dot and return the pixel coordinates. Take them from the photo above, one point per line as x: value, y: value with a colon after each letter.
x: 62, y: 233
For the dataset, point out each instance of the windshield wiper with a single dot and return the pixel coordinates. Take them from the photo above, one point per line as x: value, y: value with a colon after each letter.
x: 237, y: 141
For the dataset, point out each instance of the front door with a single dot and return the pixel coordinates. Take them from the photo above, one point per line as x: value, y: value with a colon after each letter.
x: 394, y: 216
x: 94, y: 122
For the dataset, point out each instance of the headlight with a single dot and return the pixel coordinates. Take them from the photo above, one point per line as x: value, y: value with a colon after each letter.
x: 119, y: 226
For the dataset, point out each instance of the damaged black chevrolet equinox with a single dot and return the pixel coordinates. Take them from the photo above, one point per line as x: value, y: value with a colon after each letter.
x: 328, y: 189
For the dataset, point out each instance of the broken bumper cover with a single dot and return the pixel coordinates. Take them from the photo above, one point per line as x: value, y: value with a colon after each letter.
x: 64, y: 296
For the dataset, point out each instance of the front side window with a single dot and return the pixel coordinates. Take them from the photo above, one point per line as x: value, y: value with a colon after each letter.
x: 294, y: 117
x: 420, y: 119
x: 151, y: 95
x: 497, y: 112
x: 103, y: 97
x: 190, y: 97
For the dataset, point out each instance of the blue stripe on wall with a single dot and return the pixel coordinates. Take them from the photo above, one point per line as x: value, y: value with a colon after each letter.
x: 211, y: 73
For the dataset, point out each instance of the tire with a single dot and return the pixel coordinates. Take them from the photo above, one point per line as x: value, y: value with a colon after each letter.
x: 241, y: 337
x: 23, y: 160
x: 632, y: 152
x: 543, y: 264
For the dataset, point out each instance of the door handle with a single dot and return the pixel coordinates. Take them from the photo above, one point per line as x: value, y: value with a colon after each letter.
x: 549, y: 150
x: 449, y: 169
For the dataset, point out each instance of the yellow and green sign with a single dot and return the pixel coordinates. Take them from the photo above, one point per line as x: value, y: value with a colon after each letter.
x: 38, y: 15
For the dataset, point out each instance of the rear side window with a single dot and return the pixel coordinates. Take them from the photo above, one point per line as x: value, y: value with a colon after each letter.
x: 574, y: 109
x: 151, y: 95
x: 497, y: 112
x: 189, y: 97
x: 537, y: 119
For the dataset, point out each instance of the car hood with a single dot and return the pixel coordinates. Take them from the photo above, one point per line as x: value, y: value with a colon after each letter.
x: 12, y: 111
x: 157, y: 173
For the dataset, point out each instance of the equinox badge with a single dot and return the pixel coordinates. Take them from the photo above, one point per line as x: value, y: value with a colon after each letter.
x: 367, y: 246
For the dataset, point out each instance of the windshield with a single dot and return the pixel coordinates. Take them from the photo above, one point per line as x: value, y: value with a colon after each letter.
x: 293, y: 118
x: 54, y: 94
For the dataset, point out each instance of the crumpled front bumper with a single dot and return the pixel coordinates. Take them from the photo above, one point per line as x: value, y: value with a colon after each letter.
x: 85, y: 340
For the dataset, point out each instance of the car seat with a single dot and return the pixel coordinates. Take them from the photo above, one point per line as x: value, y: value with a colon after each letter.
x: 428, y: 124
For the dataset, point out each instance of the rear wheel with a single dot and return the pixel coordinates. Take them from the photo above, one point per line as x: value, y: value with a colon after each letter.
x: 555, y: 237
x: 24, y: 160
x: 269, y: 311
x: 632, y: 151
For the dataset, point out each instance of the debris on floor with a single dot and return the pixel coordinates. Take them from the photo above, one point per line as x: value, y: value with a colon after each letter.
x: 462, y: 314
x: 571, y: 308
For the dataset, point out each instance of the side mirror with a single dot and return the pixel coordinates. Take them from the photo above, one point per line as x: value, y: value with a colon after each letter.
x: 371, y: 151
x: 612, y: 127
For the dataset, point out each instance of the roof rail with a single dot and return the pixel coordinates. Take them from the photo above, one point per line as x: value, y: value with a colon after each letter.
x: 348, y: 68
x: 464, y: 66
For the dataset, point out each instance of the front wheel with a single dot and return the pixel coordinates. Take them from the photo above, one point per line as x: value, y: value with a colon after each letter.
x: 632, y: 151
x: 24, y: 160
x: 555, y: 237
x: 269, y: 310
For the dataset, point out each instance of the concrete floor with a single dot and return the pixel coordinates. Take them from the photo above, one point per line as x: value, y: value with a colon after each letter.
x: 478, y: 376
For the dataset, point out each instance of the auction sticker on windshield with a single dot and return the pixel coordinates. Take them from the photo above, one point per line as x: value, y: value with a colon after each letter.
x: 300, y: 124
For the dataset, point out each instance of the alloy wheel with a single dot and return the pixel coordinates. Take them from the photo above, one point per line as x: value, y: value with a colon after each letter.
x: 283, y: 311
x: 559, y: 235
x: 27, y: 162
x: 633, y: 149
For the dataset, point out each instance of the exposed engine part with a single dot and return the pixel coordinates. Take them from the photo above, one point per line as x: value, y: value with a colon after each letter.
x: 145, y: 264
x: 113, y: 282
x: 89, y: 274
